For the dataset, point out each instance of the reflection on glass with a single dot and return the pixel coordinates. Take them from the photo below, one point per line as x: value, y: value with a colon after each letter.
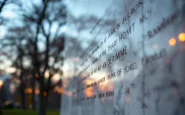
x: 172, y: 42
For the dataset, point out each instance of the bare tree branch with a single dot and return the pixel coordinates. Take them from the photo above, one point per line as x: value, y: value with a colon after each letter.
x: 3, y: 4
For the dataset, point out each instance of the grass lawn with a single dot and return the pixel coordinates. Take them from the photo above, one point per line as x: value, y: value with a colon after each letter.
x: 25, y: 112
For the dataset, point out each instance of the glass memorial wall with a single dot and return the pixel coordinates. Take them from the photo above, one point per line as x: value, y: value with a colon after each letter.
x: 124, y: 57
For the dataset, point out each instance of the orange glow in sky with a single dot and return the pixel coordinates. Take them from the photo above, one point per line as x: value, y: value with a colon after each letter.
x: 172, y: 42
x: 182, y: 37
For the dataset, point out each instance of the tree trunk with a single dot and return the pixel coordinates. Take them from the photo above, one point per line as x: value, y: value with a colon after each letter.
x: 1, y: 99
x: 33, y: 91
x: 22, y: 98
x: 22, y: 92
x: 43, y: 102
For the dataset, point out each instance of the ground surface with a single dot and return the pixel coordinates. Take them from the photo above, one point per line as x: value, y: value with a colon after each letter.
x: 25, y: 112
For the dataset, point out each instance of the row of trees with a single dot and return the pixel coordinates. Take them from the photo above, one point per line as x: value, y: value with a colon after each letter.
x: 37, y: 44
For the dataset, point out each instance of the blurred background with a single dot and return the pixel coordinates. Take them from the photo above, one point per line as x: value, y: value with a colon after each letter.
x: 31, y: 55
x: 52, y: 52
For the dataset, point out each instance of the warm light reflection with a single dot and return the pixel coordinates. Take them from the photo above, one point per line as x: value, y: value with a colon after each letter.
x: 182, y: 37
x: 89, y: 92
x: 7, y: 102
x: 102, y: 88
x: 68, y: 93
x: 56, y: 77
x: 172, y: 42
x: 57, y: 89
x: 28, y: 90
x: 62, y: 91
x: 1, y: 83
x: 37, y: 75
x: 44, y: 94
x: 37, y: 91
x: 106, y: 86
x: 46, y: 74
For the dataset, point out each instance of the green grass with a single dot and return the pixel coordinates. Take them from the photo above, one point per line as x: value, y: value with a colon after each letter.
x: 25, y: 112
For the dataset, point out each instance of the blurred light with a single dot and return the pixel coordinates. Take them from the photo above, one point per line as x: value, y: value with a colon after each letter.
x: 37, y: 75
x: 11, y: 70
x: 56, y: 77
x: 1, y: 83
x: 89, y: 91
x: 37, y: 91
x: 12, y: 88
x: 172, y: 42
x: 46, y: 74
x: 106, y: 86
x: 7, y: 102
x: 182, y: 37
x: 44, y: 94
x: 60, y: 91
x: 102, y: 87
x: 28, y: 90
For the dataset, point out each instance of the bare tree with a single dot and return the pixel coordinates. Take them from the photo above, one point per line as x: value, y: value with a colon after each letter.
x: 48, y: 60
x: 16, y: 40
x: 2, y: 4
